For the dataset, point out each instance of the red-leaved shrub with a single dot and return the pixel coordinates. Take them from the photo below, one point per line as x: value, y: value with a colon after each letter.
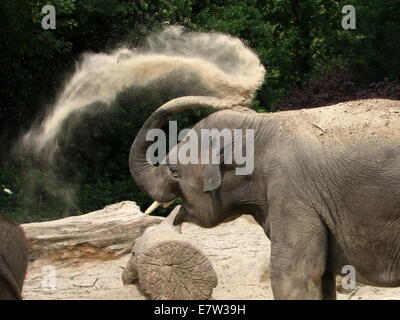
x: 335, y: 87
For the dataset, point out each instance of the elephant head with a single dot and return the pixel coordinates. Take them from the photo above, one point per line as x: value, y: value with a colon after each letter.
x: 207, y: 190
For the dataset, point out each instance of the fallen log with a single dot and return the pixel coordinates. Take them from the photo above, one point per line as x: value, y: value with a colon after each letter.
x: 104, y: 234
x: 168, y: 266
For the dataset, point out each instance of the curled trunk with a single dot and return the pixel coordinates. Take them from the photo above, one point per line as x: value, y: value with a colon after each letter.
x: 156, y: 180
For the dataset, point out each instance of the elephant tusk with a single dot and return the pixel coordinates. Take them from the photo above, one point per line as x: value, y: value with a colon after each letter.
x: 153, y: 207
x: 156, y: 204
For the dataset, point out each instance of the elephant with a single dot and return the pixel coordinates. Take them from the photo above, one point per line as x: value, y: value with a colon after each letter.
x: 13, y: 259
x: 325, y: 188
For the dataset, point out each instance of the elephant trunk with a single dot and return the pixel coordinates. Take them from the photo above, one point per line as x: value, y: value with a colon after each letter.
x: 156, y: 180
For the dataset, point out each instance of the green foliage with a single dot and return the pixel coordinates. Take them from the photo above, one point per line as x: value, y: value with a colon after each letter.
x: 297, y: 41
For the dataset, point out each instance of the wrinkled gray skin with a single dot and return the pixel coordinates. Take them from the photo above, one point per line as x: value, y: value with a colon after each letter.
x: 13, y: 259
x: 322, y: 208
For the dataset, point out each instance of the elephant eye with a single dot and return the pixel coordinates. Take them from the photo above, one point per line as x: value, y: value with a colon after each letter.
x: 173, y: 170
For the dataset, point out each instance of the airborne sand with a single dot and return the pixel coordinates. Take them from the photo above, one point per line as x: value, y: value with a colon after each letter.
x: 222, y: 64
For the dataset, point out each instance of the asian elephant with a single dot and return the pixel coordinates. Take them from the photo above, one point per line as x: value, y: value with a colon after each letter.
x: 325, y: 188
x: 13, y: 259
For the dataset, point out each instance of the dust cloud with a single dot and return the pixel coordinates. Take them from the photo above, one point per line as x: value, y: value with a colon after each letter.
x: 222, y: 64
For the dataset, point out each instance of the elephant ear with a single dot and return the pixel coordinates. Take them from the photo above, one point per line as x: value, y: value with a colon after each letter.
x: 211, y: 177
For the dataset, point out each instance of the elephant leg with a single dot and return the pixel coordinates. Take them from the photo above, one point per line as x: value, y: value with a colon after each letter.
x: 298, y: 261
x: 329, y: 286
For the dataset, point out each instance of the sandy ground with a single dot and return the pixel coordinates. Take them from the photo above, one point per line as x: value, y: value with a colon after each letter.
x: 238, y: 250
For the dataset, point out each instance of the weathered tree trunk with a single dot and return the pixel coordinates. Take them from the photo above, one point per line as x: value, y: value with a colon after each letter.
x: 103, y: 234
x: 164, y: 262
x: 168, y: 266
